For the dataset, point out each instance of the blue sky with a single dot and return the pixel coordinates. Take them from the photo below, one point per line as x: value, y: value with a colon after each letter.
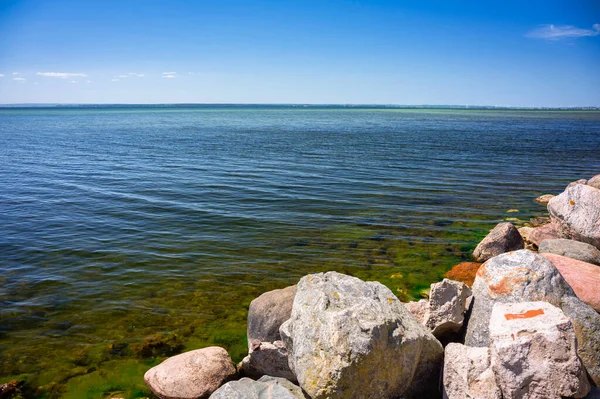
x: 515, y: 53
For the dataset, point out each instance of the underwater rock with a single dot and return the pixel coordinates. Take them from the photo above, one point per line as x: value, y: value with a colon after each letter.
x: 533, y: 352
x: 464, y: 272
x: 12, y: 389
x: 526, y: 276
x: 576, y: 213
x: 265, y: 388
x: 502, y: 238
x: 347, y: 336
x: 571, y: 249
x: 543, y: 199
x: 191, y: 375
x: 267, y: 313
x: 468, y: 373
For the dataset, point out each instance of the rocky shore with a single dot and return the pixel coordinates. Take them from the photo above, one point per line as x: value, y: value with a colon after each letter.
x: 522, y: 322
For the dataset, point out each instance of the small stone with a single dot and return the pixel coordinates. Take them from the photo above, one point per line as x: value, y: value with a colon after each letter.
x: 533, y: 352
x: 468, y: 374
x: 543, y: 199
x: 512, y: 211
x: 502, y: 238
x: 191, y: 375
x: 539, y: 221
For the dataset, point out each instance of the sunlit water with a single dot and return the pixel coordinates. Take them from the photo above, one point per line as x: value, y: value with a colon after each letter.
x: 131, y: 234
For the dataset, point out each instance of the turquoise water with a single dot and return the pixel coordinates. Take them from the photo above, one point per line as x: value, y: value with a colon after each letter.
x: 130, y: 234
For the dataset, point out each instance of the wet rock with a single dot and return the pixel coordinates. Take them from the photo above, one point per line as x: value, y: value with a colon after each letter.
x: 576, y: 182
x: 468, y: 373
x: 347, y: 336
x: 583, y: 277
x: 158, y: 345
x: 267, y: 313
x: 539, y: 221
x: 194, y: 374
x: 546, y: 232
x: 502, y: 238
x: 594, y: 182
x: 526, y: 276
x: 265, y: 388
x: 571, y: 249
x: 543, y: 199
x: 464, y: 272
x: 525, y: 232
x: 267, y: 358
x: 576, y: 213
x: 444, y: 313
x: 533, y: 352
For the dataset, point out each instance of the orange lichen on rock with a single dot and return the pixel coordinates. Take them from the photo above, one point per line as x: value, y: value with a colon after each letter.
x: 464, y: 272
x: 527, y: 315
x: 572, y: 202
x: 515, y: 277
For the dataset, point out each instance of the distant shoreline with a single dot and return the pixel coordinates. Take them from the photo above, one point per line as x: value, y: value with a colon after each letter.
x: 301, y: 106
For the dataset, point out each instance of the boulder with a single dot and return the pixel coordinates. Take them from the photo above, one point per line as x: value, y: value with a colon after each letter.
x: 265, y: 388
x: 347, y: 336
x: 468, y: 374
x: 546, y: 232
x: 525, y: 232
x: 543, y: 199
x: 444, y: 313
x: 526, y: 276
x: 267, y: 358
x: 576, y: 182
x: 594, y: 182
x: 571, y: 249
x: 583, y: 277
x: 464, y: 272
x: 267, y: 313
x: 502, y: 238
x: 194, y: 375
x: 576, y: 213
x: 586, y: 323
x: 534, y: 352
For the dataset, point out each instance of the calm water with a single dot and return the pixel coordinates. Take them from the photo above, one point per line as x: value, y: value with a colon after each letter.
x: 130, y: 234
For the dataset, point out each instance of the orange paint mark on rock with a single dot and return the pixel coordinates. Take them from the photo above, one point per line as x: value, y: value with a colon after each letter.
x: 527, y: 315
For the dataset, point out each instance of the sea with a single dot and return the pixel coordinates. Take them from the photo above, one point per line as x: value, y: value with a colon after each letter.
x: 132, y: 233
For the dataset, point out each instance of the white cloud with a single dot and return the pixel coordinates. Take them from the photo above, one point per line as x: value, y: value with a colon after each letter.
x: 122, y: 76
x: 63, y: 75
x: 115, y: 80
x: 169, y: 76
x: 1, y: 75
x: 15, y: 73
x: 88, y: 81
x: 140, y: 75
x: 169, y: 73
x: 556, y: 32
x: 73, y: 81
x: 19, y: 79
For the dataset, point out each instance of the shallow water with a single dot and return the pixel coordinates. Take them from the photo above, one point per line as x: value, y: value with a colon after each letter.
x: 130, y: 234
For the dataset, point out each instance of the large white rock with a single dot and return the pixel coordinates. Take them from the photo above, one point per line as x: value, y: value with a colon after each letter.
x: 533, y: 352
x: 525, y: 276
x: 576, y: 213
x: 191, y: 375
x: 348, y: 338
x: 468, y: 374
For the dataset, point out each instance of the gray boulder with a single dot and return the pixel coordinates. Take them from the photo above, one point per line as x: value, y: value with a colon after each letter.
x: 267, y: 313
x: 468, y: 373
x: 571, y: 249
x: 576, y: 213
x: 191, y: 375
x: 265, y: 388
x: 594, y: 182
x: 533, y: 352
x: 347, y: 336
x: 526, y: 276
x: 267, y: 358
x: 444, y: 313
x: 503, y: 238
